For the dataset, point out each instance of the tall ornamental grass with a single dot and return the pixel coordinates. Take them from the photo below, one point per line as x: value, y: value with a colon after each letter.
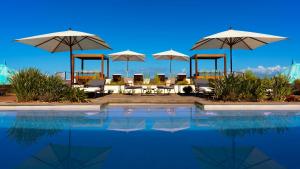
x: 32, y: 85
x: 248, y: 87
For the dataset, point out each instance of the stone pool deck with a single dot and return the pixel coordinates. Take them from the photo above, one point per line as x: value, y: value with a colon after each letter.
x: 95, y: 104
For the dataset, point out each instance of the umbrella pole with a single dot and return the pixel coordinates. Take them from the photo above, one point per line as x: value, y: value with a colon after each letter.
x: 170, y: 66
x: 127, y: 67
x: 72, y: 65
x: 231, y: 59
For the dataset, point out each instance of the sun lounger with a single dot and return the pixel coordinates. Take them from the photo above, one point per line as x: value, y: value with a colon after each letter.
x: 116, y: 77
x: 94, y: 86
x: 181, y: 77
x: 138, y: 78
x: 202, y: 87
x: 170, y: 85
x: 129, y: 85
x: 161, y: 77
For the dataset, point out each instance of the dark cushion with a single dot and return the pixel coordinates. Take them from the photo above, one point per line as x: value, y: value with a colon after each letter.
x: 96, y: 83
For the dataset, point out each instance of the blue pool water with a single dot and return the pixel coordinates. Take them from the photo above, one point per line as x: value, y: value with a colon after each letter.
x: 150, y: 137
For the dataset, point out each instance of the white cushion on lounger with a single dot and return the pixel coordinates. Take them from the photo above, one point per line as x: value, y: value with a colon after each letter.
x: 206, y: 89
x: 90, y: 89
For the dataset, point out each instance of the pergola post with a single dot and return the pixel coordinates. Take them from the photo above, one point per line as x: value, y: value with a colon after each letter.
x: 107, y: 67
x: 196, y: 66
x: 82, y: 65
x: 191, y: 70
x: 102, y: 67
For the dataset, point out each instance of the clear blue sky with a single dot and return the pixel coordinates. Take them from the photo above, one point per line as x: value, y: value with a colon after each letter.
x: 148, y: 27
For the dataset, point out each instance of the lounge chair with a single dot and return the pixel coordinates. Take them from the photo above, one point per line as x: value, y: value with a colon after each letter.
x: 138, y: 79
x: 181, y: 77
x: 202, y: 87
x: 129, y: 85
x: 169, y: 86
x: 94, y: 86
x: 116, y: 77
x: 161, y: 77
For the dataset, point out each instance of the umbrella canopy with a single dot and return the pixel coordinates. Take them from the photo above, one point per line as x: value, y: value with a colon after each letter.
x: 247, y: 157
x: 66, y: 41
x: 127, y: 56
x: 171, y: 55
x: 56, y: 156
x: 235, y: 39
x: 5, y: 74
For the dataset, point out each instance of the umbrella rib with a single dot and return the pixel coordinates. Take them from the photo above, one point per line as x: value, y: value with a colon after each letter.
x: 97, y: 39
x: 78, y: 44
x: 259, y: 40
x: 54, y: 50
x: 242, y: 40
x: 198, y: 45
x: 48, y: 40
x: 104, y: 45
x: 224, y: 41
x: 81, y: 40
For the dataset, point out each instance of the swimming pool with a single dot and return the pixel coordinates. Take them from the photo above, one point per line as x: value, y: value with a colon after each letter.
x: 156, y: 137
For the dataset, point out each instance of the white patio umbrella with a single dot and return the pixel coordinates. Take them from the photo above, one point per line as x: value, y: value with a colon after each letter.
x: 171, y: 55
x: 235, y: 39
x: 127, y: 56
x: 66, y: 41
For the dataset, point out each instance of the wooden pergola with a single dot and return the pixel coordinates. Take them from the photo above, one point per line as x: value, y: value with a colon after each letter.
x: 214, y: 57
x: 84, y: 57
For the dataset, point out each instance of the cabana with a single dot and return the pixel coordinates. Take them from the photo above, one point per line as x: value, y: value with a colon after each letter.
x: 207, y: 75
x: 83, y: 76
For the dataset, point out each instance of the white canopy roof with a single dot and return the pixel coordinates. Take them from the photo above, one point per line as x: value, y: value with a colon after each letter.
x: 61, y: 41
x: 171, y: 55
x: 238, y: 40
x: 127, y: 55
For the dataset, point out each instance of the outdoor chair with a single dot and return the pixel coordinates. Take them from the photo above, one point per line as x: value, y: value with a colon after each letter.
x: 181, y: 77
x: 168, y: 87
x: 95, y: 87
x: 202, y: 87
x: 138, y: 78
x: 129, y: 85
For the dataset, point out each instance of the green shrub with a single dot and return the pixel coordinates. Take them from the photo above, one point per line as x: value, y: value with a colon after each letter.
x: 280, y: 88
x: 187, y: 89
x: 251, y: 88
x: 32, y: 85
x: 27, y: 84
x: 297, y: 85
x: 184, y: 82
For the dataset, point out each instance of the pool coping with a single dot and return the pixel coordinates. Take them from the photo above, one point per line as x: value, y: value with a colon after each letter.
x: 203, y: 105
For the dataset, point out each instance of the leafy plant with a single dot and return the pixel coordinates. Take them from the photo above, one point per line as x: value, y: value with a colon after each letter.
x: 248, y: 87
x: 184, y: 82
x: 280, y: 88
x: 27, y: 84
x: 32, y: 85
